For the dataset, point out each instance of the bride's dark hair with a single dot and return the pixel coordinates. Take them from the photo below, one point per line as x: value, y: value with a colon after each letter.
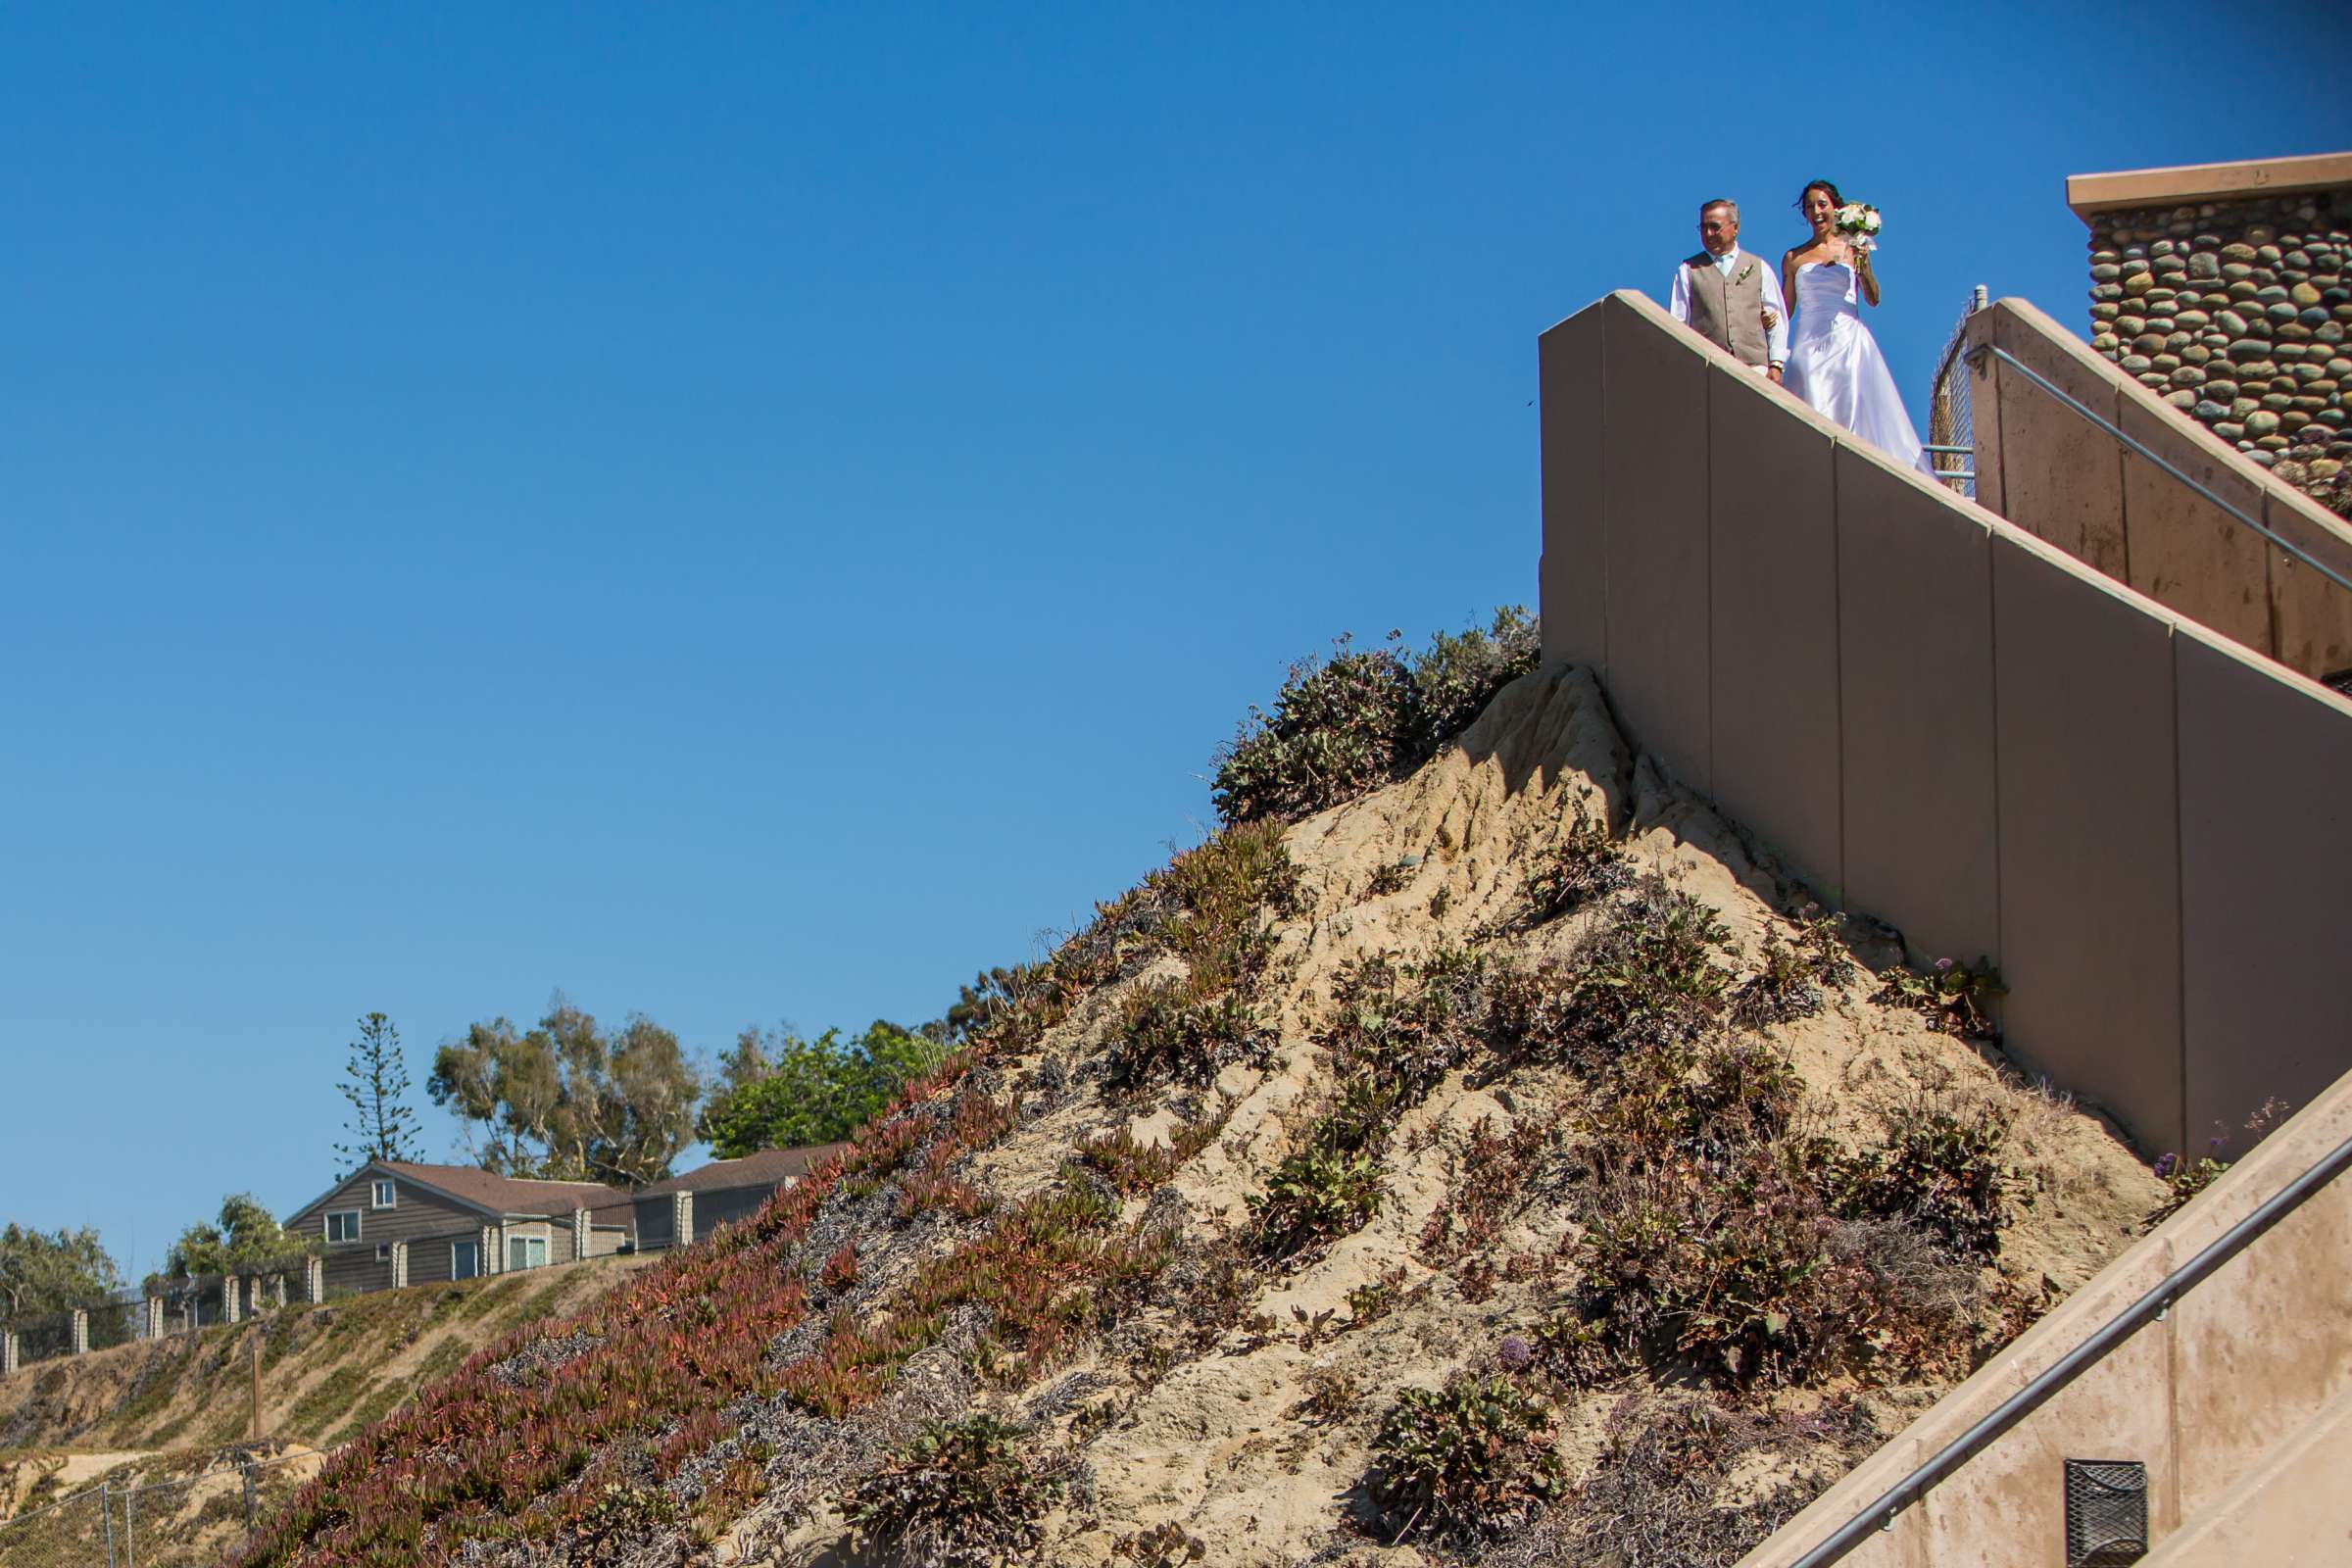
x: 1836, y: 200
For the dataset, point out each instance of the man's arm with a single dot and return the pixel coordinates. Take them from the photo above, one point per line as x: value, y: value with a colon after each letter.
x: 1677, y: 297
x: 1776, y: 337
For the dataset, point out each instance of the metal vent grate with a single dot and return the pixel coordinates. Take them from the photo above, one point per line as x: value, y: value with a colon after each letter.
x: 2106, y: 1512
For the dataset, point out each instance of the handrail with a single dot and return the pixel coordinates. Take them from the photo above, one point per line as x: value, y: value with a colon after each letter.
x: 1973, y: 355
x: 2151, y: 1307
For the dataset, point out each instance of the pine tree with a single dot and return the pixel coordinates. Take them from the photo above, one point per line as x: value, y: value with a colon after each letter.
x: 382, y: 1124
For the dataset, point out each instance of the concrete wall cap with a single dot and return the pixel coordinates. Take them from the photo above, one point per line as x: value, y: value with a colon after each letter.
x: 2183, y: 183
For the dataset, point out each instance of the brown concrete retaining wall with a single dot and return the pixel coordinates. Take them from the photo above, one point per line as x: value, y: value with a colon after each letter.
x: 1940, y: 719
x: 2058, y: 476
x: 2239, y: 1391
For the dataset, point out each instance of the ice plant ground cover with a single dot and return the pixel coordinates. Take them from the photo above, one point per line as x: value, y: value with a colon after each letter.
x: 1454, y: 1170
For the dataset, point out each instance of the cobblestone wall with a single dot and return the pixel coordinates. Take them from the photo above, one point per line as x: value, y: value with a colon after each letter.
x: 2236, y: 312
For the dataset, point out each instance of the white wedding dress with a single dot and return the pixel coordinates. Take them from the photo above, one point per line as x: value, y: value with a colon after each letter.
x: 1834, y: 364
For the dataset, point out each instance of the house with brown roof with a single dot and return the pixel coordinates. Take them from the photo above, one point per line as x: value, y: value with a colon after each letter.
x: 392, y: 1222
x: 715, y: 1194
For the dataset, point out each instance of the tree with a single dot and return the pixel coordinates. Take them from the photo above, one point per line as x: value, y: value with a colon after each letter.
x: 779, y: 1091
x: 382, y: 1125
x: 568, y: 1100
x: 47, y: 1273
x: 245, y: 1236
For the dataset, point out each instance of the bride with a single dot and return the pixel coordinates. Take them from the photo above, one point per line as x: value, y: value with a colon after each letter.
x: 1833, y: 363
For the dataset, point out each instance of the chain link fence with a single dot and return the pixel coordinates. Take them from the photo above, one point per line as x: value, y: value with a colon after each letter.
x: 1951, y: 426
x: 168, y: 1513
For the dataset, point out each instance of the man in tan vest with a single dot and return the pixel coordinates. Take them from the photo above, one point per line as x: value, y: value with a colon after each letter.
x: 1731, y: 298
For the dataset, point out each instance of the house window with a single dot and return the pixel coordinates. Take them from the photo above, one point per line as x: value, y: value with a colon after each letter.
x: 383, y: 1251
x: 526, y: 1251
x: 386, y: 1194
x: 343, y: 1225
x: 464, y: 1259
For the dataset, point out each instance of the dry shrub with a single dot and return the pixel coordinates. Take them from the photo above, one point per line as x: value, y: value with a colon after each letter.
x: 1489, y: 1184
x: 1662, y: 1495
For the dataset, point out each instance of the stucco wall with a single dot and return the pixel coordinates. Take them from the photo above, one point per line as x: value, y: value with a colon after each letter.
x: 2055, y: 474
x: 1941, y: 720
x: 2236, y: 1393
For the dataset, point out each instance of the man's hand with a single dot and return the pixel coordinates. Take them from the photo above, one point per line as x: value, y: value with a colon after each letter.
x: 1773, y: 371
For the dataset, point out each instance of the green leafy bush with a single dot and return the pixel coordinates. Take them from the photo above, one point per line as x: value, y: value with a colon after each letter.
x: 958, y: 1494
x: 1691, y: 1102
x: 1469, y: 1460
x: 1350, y: 723
x: 1587, y: 863
x: 1956, y: 997
x: 2184, y: 1179
x: 1163, y: 1036
x: 783, y: 1092
x: 1648, y: 977
x: 1730, y: 1268
x: 1394, y: 1032
x: 1314, y: 1196
x: 1941, y: 1168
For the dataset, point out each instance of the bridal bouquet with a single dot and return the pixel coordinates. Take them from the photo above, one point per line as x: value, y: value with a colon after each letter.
x: 1857, y: 223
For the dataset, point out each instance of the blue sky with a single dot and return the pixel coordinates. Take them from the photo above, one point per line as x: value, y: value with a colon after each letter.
x: 756, y: 513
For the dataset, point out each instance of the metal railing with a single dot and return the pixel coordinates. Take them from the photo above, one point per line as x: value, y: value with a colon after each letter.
x: 2149, y: 1308
x: 1977, y: 356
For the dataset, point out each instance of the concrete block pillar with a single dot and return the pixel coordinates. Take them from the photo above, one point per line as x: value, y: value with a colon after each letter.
x: 400, y: 1265
x: 81, y: 1332
x: 232, y: 1306
x: 682, y: 1218
x: 494, y: 1251
x: 278, y: 1290
x: 580, y: 1234
x: 8, y: 1353
x: 151, y: 1326
x: 313, y: 1280
x: 253, y: 1296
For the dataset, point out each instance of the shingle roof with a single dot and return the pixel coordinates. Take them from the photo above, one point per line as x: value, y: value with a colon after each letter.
x: 508, y: 1195
x: 765, y: 1168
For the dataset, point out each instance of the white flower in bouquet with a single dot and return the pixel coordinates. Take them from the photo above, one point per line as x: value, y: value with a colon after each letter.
x: 1857, y: 223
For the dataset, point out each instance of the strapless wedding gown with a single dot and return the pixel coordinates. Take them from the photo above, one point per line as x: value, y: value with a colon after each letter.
x: 1834, y: 364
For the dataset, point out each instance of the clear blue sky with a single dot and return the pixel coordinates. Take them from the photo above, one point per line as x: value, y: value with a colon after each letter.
x: 752, y: 514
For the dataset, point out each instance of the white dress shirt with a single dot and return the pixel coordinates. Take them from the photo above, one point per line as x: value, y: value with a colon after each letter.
x: 1776, y: 338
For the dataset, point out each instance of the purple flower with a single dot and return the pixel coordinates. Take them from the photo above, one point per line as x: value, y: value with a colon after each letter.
x: 2166, y: 1164
x: 1515, y: 1353
x: 1943, y: 967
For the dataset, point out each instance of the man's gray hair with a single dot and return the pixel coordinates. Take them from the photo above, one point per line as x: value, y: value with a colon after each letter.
x: 1725, y: 202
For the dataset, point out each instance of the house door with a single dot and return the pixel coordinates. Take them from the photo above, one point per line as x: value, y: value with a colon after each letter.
x: 526, y: 1251
x: 464, y: 1259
